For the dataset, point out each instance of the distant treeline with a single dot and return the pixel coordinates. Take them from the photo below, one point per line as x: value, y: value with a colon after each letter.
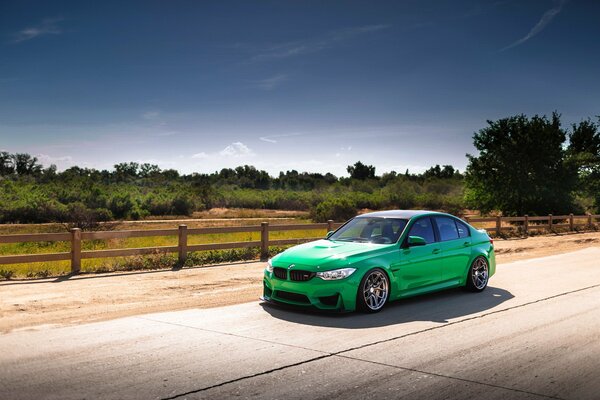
x: 524, y: 166
x: 30, y: 192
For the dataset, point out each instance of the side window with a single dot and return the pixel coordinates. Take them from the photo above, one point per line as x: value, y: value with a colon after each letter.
x: 422, y: 227
x: 447, y: 228
x: 463, y: 230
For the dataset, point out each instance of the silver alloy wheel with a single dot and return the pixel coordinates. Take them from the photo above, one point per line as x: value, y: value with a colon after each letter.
x: 375, y: 290
x: 479, y: 274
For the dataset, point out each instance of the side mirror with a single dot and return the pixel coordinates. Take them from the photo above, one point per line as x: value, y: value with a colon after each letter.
x: 329, y: 234
x: 416, y: 241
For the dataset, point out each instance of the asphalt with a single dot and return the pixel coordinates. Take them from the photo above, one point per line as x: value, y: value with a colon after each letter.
x: 532, y: 334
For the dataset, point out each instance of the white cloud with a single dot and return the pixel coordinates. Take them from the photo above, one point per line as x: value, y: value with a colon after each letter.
x: 272, y: 138
x: 47, y: 159
x: 272, y: 82
x: 234, y: 150
x: 301, y: 47
x: 343, y: 150
x: 547, y: 17
x: 150, y: 115
x: 62, y: 162
x: 48, y: 26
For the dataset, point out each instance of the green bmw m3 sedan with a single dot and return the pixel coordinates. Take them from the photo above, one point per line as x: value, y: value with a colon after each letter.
x: 381, y: 256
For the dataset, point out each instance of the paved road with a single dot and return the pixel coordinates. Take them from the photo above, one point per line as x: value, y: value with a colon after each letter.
x: 533, y: 334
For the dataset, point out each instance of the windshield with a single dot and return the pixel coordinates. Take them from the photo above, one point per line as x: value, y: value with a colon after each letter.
x: 370, y: 230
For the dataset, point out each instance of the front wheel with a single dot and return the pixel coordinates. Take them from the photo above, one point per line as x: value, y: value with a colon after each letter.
x: 478, y: 277
x: 373, y: 291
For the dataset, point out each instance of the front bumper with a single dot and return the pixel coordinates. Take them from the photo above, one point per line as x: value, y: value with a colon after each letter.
x: 338, y: 295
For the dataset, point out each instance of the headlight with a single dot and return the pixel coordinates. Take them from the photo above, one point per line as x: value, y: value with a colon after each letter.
x: 269, y: 266
x: 336, y: 274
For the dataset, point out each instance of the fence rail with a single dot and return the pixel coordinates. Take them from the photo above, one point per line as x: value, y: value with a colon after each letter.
x: 562, y: 221
x: 76, y: 236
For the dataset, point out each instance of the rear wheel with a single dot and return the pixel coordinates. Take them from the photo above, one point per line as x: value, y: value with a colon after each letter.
x: 373, y: 291
x: 478, y: 277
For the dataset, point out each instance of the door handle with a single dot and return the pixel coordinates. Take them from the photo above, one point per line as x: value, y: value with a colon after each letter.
x: 436, y: 251
x: 466, y: 244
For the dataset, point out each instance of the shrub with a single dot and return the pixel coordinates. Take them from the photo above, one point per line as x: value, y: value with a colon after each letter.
x: 121, y: 205
x: 6, y: 274
x: 183, y: 205
x: 337, y: 209
x: 79, y: 216
x: 138, y: 213
x: 221, y: 256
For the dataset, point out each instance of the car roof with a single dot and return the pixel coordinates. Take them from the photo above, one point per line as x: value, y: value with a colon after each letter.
x: 405, y: 214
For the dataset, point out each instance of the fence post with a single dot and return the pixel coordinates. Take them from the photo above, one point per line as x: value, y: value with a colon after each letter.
x: 75, y: 250
x: 571, y: 221
x: 329, y: 225
x: 526, y: 224
x: 549, y: 222
x: 264, y: 241
x: 182, y: 244
x: 498, y: 225
x: 590, y: 221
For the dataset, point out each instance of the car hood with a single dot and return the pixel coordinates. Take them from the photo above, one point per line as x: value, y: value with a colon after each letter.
x: 327, y: 254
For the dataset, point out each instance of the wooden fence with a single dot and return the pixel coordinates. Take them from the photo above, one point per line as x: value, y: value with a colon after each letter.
x: 75, y: 236
x: 548, y: 222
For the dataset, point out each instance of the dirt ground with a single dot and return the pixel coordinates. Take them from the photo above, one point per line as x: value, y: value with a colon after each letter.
x: 28, y: 304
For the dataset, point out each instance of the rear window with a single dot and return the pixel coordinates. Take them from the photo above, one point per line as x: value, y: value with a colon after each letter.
x: 447, y: 228
x: 463, y: 230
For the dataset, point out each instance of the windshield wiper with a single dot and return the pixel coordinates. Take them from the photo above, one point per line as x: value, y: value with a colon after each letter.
x: 354, y: 239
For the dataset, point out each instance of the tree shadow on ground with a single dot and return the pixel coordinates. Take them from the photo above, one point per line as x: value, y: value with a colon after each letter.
x: 436, y: 307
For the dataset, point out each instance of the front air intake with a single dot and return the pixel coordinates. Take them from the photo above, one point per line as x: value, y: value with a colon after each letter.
x: 295, y: 297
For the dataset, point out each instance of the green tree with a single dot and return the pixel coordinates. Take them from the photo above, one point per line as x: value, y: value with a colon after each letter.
x: 126, y: 171
x: 6, y: 164
x: 584, y: 154
x: 445, y: 172
x: 361, y: 171
x: 25, y: 164
x: 521, y: 167
x: 148, y: 170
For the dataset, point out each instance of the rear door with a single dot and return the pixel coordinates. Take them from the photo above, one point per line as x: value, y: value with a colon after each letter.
x: 419, y: 267
x: 455, y: 243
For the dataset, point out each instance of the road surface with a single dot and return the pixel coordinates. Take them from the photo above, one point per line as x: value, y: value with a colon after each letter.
x: 532, y: 334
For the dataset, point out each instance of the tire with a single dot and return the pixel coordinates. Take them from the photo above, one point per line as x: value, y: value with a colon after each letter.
x: 373, y: 291
x: 478, y: 276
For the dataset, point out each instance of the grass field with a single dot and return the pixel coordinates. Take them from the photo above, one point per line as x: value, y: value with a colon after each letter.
x: 153, y: 261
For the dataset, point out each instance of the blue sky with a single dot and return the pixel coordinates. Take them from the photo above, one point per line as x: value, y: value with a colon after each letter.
x: 307, y: 85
